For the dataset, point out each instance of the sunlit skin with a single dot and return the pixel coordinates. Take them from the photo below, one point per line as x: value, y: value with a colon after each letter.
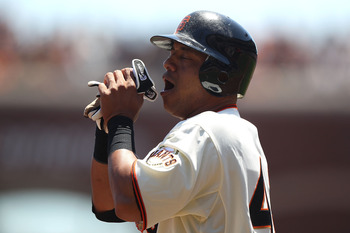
x: 183, y: 95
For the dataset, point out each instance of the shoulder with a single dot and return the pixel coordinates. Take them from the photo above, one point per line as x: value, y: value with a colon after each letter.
x: 216, y: 122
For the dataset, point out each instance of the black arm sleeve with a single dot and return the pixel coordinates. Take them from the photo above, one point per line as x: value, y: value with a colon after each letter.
x: 106, y: 216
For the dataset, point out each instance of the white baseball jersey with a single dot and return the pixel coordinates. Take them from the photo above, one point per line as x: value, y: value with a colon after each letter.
x: 209, y: 174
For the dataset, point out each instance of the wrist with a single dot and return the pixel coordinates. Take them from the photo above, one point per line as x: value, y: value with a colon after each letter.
x: 120, y: 134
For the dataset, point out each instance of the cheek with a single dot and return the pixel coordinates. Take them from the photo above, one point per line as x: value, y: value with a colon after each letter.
x: 195, y: 92
x: 190, y: 87
x: 196, y: 84
x: 192, y: 76
x: 189, y: 77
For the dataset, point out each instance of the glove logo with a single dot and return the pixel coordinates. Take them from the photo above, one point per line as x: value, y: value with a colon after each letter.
x: 141, y: 72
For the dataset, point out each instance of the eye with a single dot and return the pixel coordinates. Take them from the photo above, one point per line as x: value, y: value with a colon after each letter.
x: 185, y: 57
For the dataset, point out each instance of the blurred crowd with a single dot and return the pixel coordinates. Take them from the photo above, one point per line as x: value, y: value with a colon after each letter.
x: 298, y: 70
x: 54, y: 68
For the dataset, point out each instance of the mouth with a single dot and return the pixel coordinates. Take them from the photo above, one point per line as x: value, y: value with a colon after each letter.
x: 168, y: 85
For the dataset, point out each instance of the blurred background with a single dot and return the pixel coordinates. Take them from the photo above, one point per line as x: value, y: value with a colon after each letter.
x: 298, y: 99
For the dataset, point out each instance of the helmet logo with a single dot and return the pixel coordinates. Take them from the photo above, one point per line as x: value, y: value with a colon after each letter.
x: 183, y: 23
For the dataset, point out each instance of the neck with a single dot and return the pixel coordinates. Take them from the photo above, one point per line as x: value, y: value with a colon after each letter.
x: 217, y: 104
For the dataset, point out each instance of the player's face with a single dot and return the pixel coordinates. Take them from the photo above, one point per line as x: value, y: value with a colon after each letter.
x: 183, y: 95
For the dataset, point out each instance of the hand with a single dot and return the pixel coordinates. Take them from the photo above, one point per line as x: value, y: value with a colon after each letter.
x: 118, y: 95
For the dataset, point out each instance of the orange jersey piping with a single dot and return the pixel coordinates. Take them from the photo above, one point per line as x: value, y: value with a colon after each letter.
x: 138, y: 196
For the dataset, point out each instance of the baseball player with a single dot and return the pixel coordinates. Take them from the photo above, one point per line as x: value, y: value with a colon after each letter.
x: 209, y: 174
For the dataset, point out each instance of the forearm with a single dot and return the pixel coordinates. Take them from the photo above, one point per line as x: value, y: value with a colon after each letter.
x: 120, y: 164
x: 102, y: 200
x: 101, y: 193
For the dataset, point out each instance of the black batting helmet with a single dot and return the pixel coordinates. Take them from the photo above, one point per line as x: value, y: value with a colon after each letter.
x: 231, y: 51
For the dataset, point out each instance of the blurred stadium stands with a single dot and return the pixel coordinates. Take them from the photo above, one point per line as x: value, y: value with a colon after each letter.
x: 298, y: 98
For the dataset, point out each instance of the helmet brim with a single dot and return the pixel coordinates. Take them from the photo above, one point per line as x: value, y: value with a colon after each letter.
x: 166, y: 42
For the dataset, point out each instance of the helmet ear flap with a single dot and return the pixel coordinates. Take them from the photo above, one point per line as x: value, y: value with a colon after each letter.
x: 215, y: 78
x: 223, y: 77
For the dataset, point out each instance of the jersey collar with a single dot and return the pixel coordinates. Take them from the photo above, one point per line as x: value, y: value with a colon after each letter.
x: 227, y: 107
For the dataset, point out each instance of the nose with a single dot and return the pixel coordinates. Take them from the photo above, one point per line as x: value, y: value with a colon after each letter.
x: 169, y: 65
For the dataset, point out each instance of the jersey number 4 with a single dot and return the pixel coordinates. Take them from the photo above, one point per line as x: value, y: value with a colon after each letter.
x: 259, y: 207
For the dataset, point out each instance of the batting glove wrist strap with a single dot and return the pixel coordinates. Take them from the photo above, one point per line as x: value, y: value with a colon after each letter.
x: 101, y: 146
x: 120, y: 134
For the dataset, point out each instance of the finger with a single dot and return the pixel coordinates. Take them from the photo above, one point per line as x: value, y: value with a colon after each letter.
x: 109, y: 79
x: 102, y: 88
x: 119, y: 77
x: 129, y: 76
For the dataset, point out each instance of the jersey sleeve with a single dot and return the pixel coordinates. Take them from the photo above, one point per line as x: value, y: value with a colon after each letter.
x: 181, y: 169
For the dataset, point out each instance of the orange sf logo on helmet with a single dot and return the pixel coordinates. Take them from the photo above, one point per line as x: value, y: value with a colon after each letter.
x: 183, y: 23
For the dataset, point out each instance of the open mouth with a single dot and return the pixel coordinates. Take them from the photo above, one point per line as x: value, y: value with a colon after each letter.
x: 168, y: 85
